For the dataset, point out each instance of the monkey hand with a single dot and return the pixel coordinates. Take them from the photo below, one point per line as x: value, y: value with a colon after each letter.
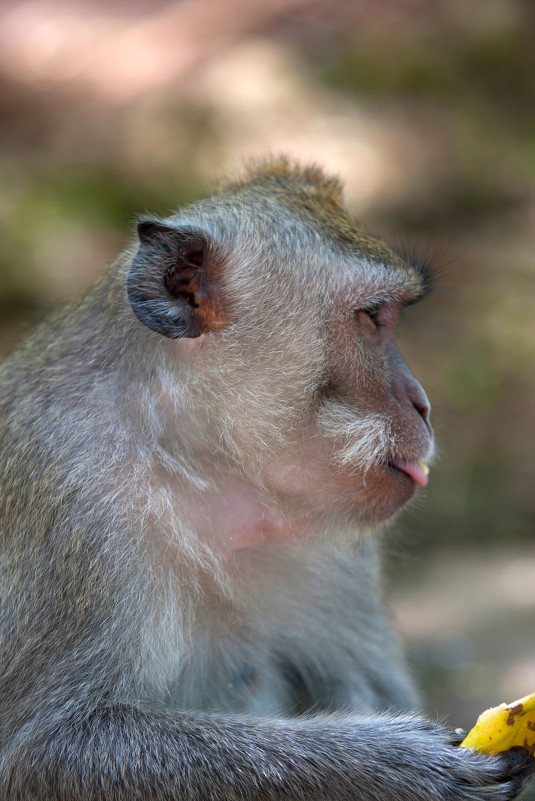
x: 441, y: 771
x: 504, y: 727
x: 511, y: 771
x: 460, y: 774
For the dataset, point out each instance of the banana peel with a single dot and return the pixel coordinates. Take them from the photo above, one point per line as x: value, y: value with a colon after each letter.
x: 504, y: 727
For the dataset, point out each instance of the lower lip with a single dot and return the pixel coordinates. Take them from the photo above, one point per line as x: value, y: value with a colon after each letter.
x: 414, y: 471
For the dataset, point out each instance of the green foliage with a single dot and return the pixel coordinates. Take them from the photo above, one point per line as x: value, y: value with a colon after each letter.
x: 496, y: 67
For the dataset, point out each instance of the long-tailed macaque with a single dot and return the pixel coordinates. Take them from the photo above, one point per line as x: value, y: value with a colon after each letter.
x: 193, y: 459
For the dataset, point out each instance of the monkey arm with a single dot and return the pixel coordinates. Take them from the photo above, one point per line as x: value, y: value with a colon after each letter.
x: 122, y: 752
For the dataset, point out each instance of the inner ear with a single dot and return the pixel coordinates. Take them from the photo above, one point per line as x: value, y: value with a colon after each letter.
x: 174, y: 284
x: 195, y: 255
x: 183, y: 279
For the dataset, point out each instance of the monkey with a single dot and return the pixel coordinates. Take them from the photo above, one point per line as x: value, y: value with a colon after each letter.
x: 197, y: 458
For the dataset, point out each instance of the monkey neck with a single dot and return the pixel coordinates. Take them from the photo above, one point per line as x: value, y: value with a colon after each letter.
x: 231, y: 514
x: 243, y: 518
x: 225, y: 512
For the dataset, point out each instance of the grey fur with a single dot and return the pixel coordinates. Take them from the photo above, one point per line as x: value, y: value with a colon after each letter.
x: 140, y: 658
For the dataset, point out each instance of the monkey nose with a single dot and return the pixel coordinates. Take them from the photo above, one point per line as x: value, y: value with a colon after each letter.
x: 423, y: 410
x: 420, y: 402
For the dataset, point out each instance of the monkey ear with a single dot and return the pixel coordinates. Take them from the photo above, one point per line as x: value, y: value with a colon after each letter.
x: 168, y: 285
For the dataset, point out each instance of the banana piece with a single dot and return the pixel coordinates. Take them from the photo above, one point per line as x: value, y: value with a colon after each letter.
x: 503, y: 727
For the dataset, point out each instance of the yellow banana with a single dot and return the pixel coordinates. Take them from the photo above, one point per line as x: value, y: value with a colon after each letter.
x: 504, y: 727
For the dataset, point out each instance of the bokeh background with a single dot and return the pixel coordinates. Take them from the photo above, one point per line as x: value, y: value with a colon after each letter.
x: 427, y: 110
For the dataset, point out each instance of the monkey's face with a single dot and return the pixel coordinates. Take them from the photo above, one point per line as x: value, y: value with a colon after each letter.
x: 367, y: 442
x: 302, y: 407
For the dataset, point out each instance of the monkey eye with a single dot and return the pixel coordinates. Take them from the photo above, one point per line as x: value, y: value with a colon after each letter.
x: 372, y: 313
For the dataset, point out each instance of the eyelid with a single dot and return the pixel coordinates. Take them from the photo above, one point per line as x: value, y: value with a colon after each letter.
x: 373, y: 311
x: 382, y: 313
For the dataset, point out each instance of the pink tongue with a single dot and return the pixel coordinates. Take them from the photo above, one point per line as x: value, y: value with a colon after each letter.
x: 414, y: 471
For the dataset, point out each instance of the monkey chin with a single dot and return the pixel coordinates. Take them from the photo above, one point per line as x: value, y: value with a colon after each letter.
x: 310, y: 495
x: 333, y: 506
x: 375, y: 497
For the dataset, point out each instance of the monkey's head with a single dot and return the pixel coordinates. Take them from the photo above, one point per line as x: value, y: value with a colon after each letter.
x: 275, y: 315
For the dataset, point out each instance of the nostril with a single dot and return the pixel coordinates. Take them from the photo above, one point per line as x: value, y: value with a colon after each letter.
x: 422, y: 409
x: 411, y: 392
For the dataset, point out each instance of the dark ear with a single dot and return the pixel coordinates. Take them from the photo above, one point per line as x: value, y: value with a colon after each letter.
x: 171, y: 282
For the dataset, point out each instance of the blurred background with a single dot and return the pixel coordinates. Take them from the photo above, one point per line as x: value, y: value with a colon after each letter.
x: 427, y: 110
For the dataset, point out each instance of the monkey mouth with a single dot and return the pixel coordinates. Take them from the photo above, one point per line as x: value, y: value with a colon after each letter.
x: 418, y: 472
